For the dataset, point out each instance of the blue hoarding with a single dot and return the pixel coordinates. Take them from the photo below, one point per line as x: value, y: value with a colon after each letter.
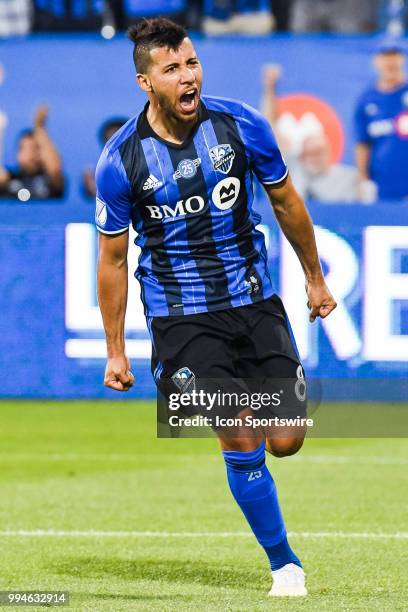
x: 51, y: 329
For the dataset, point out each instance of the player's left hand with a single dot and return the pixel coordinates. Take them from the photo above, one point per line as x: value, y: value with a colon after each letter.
x: 320, y: 301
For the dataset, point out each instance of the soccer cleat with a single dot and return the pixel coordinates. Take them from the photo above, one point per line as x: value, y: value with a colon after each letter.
x: 288, y: 581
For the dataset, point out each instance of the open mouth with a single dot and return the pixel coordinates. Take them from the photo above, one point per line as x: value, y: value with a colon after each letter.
x: 189, y: 100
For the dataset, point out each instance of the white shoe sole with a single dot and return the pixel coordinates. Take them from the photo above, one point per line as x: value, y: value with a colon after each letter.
x: 298, y: 593
x: 288, y: 581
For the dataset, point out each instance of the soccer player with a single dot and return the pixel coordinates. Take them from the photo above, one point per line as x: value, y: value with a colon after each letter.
x: 182, y: 173
x: 381, y: 121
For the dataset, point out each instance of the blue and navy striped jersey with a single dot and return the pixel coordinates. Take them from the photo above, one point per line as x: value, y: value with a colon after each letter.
x: 192, y: 207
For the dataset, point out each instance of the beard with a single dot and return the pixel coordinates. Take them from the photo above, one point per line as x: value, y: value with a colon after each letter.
x: 169, y: 108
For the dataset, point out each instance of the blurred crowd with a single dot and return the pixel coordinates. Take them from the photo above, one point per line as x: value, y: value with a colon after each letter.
x: 380, y: 114
x: 380, y: 137
x: 213, y: 17
x: 381, y: 144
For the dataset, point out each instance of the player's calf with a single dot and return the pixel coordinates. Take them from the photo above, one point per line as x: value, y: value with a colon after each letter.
x: 255, y: 492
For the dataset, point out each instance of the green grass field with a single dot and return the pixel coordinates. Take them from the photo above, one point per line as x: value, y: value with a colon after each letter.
x: 81, y: 467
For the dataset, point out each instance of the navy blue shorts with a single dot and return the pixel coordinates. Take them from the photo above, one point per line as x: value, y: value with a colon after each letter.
x: 245, y: 349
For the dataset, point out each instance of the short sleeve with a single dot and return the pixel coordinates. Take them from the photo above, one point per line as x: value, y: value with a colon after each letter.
x: 113, y: 194
x: 266, y: 159
x: 361, y: 123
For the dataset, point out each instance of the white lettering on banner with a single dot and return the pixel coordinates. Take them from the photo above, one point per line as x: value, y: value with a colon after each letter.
x: 81, y: 307
x: 377, y: 341
x: 382, y: 286
x: 81, y: 310
x: 292, y: 291
x: 341, y: 278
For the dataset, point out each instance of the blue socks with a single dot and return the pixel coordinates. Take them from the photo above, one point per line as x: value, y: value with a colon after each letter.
x: 281, y: 554
x: 255, y: 492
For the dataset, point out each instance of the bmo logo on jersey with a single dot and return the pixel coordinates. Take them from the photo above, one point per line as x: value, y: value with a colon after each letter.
x: 224, y: 196
x: 226, y: 192
x: 192, y: 205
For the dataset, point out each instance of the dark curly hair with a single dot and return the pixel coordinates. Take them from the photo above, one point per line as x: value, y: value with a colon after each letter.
x: 151, y: 33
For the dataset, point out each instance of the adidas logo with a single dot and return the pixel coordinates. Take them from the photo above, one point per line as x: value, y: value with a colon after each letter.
x: 151, y: 183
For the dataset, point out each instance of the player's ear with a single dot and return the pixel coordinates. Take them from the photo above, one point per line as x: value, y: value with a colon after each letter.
x: 144, y: 82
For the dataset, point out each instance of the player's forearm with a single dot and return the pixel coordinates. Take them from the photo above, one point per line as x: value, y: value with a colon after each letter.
x: 112, y: 295
x: 298, y: 229
x: 297, y: 226
x: 363, y: 161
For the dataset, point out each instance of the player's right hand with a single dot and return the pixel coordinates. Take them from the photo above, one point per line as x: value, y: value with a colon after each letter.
x: 118, y: 375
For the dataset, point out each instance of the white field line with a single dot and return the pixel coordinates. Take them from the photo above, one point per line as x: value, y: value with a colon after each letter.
x: 78, y: 456
x: 350, y: 459
x: 40, y: 533
x: 128, y: 457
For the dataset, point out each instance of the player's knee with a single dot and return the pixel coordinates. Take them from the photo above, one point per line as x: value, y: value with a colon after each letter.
x: 283, y: 447
x: 240, y: 445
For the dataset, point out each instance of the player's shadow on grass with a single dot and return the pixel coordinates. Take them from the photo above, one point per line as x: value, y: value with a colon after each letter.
x: 169, y: 570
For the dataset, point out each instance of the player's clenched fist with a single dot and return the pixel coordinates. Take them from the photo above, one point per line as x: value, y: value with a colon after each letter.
x: 320, y: 301
x: 118, y: 375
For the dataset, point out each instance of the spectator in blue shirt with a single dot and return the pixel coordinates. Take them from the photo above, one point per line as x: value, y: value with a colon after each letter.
x: 381, y: 124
